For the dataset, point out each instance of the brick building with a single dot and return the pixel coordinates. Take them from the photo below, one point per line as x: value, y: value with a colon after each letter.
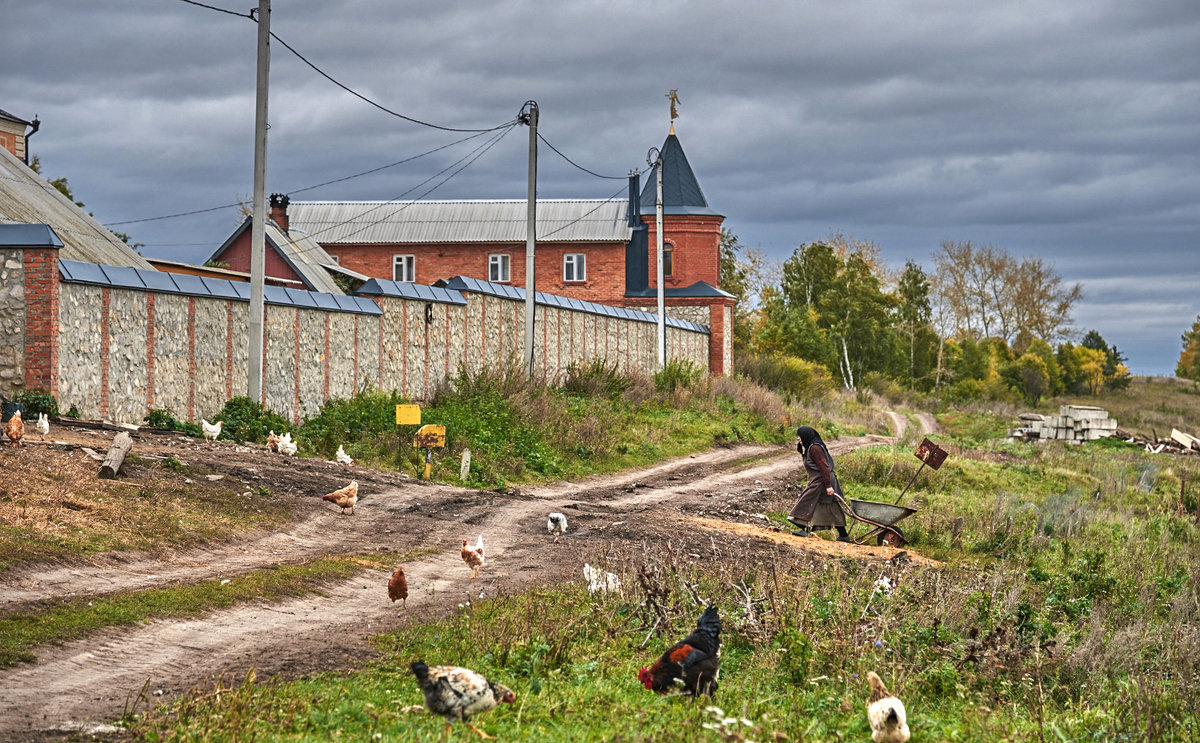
x: 593, y: 250
x: 13, y: 134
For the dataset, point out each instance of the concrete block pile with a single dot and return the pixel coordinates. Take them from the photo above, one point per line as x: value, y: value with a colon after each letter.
x: 1074, y: 423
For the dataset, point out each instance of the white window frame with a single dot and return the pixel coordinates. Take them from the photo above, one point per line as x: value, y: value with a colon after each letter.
x: 577, y: 262
x: 336, y: 262
x: 407, y: 265
x: 499, y: 268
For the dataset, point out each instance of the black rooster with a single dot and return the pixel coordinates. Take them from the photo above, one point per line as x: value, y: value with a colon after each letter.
x: 692, y: 663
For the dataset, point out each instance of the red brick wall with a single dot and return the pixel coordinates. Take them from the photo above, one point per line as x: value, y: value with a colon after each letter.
x: 605, y: 280
x: 41, y: 318
x: 697, y: 243
x: 237, y: 255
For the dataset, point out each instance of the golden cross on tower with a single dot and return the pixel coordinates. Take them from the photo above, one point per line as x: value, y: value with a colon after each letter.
x: 673, y: 96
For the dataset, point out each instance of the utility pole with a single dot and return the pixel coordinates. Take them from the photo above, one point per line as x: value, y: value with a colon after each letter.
x: 254, y: 375
x: 655, y: 158
x: 529, y: 117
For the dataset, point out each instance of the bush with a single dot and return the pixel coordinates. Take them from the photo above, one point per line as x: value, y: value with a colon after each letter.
x: 596, y: 379
x: 796, y: 378
x: 164, y: 418
x: 246, y: 420
x: 364, y: 424
x: 677, y: 375
x: 35, y: 402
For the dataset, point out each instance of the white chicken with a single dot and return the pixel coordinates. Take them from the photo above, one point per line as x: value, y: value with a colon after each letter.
x: 43, y: 425
x: 889, y: 723
x: 556, y: 524
x: 211, y: 431
x: 600, y: 581
x: 473, y: 556
x: 286, y: 445
x: 343, y: 457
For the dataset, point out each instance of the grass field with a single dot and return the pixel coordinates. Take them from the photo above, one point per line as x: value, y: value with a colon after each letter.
x: 1066, y: 608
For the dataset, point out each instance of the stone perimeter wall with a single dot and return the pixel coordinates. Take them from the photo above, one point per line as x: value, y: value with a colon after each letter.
x: 12, y: 322
x: 123, y: 352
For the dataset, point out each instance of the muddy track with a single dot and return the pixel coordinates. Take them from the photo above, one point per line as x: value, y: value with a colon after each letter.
x: 95, y: 679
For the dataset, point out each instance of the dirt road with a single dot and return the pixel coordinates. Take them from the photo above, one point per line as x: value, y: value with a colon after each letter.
x: 95, y: 679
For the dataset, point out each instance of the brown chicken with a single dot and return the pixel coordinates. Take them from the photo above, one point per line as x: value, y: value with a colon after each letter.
x: 15, y: 429
x: 273, y: 441
x: 473, y: 556
x: 345, y: 497
x: 398, y: 587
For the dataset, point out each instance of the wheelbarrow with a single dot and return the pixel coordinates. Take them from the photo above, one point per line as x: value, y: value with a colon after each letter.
x: 881, y: 517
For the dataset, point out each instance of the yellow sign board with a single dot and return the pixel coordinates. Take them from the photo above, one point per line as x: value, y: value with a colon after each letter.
x: 430, y: 436
x: 408, y: 415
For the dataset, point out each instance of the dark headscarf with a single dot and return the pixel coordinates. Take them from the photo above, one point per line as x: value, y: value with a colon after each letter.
x: 809, y: 436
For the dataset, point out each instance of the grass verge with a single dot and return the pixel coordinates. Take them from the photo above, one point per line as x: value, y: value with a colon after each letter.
x: 71, y: 619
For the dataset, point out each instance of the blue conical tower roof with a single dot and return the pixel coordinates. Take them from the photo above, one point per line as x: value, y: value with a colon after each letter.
x: 681, y: 190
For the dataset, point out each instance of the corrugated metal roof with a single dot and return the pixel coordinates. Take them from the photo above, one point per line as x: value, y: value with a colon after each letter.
x: 26, y: 198
x: 507, y: 291
x: 355, y: 222
x: 305, y: 256
x: 123, y: 277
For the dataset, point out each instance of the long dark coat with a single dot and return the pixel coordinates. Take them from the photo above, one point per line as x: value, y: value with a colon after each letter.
x: 815, y: 507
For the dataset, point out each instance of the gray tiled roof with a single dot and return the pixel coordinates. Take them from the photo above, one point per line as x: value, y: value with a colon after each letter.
x: 123, y: 277
x: 408, y: 290
x: 507, y: 291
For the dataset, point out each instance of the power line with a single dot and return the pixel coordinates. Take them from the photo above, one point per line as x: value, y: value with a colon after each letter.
x: 219, y: 10
x: 380, y: 106
x: 300, y: 190
x: 577, y: 165
x: 389, y: 165
x: 581, y: 217
x: 342, y: 85
x: 461, y: 164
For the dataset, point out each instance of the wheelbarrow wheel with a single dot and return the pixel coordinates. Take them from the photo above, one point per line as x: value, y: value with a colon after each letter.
x: 892, y: 537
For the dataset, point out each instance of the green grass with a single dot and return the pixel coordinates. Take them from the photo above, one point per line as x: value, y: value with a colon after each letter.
x: 967, y: 668
x: 519, y: 431
x: 1066, y: 607
x: 64, y: 620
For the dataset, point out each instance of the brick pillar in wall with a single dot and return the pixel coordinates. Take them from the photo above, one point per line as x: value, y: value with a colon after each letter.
x: 41, y: 318
x: 720, y: 355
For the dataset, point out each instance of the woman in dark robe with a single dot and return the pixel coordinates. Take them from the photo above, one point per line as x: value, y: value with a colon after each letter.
x: 817, y: 508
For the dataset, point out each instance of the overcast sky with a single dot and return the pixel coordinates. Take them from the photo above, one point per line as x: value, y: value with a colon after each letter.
x: 1068, y: 129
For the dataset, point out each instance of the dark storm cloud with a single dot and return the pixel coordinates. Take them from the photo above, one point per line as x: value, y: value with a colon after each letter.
x: 1065, y: 130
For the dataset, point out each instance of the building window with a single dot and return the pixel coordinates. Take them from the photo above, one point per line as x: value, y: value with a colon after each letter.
x: 404, y: 268
x: 668, y: 259
x: 335, y: 260
x: 498, y: 267
x: 574, y: 267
